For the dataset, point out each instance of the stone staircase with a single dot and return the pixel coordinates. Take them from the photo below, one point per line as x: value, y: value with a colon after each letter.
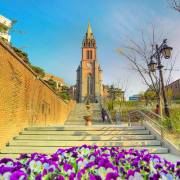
x: 49, y: 139
x: 76, y: 116
x: 75, y: 133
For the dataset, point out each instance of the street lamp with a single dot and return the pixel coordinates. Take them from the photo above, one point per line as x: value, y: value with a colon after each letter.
x: 152, y: 65
x: 165, y: 51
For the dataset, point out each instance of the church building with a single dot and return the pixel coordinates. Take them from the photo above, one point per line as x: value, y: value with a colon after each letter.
x: 89, y: 74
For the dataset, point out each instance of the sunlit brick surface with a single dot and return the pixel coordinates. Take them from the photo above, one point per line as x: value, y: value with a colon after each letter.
x: 25, y: 100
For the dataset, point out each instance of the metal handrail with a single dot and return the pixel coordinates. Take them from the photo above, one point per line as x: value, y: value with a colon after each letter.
x: 159, y: 126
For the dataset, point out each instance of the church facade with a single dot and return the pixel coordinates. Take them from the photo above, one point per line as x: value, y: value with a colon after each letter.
x: 89, y: 73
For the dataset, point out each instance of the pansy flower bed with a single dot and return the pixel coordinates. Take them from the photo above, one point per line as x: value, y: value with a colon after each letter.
x: 89, y: 162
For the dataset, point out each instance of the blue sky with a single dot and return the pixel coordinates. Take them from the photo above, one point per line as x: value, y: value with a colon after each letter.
x: 53, y: 32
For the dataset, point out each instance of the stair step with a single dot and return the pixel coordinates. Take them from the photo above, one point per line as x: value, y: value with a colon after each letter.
x: 50, y: 150
x: 12, y: 156
x: 78, y: 133
x: 92, y: 137
x: 40, y: 143
x: 170, y: 157
x: 85, y: 128
x: 80, y: 123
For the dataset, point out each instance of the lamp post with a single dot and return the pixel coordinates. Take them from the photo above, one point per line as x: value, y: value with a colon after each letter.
x: 165, y: 51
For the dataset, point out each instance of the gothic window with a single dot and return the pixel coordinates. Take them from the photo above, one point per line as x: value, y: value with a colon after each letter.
x: 87, y: 54
x: 90, y: 54
x: 89, y: 85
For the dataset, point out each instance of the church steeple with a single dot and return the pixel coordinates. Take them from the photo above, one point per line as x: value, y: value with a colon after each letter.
x: 89, y: 73
x: 89, y: 40
x: 89, y: 31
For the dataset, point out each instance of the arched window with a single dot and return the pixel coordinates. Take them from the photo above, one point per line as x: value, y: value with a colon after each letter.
x: 90, y: 54
x: 87, y: 54
x: 89, y: 85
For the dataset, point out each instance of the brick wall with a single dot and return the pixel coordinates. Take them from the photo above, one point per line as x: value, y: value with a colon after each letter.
x: 24, y: 99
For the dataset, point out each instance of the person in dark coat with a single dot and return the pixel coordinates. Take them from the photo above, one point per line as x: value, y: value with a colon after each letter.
x: 103, y: 113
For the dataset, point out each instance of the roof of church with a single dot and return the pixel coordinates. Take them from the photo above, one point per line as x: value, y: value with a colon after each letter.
x: 89, y: 39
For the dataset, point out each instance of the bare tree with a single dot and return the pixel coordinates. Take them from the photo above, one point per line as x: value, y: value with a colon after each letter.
x: 175, y: 4
x: 138, y: 53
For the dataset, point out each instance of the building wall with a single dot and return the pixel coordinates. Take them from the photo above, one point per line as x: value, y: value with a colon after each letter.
x: 4, y: 22
x: 24, y: 99
x: 175, y: 88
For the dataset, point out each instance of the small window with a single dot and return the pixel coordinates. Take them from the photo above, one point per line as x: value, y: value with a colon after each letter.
x: 87, y: 54
x: 90, y: 55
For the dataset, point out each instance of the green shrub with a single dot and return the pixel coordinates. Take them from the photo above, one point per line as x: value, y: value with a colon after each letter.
x: 64, y: 96
x: 173, y: 123
x: 23, y: 55
x: 38, y: 70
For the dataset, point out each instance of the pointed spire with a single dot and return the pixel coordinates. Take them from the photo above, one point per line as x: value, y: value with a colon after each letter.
x: 89, y: 31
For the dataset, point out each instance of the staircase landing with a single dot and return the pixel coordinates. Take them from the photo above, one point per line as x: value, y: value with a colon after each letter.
x: 76, y: 117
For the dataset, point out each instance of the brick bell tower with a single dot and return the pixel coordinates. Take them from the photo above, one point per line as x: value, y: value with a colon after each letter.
x: 89, y: 73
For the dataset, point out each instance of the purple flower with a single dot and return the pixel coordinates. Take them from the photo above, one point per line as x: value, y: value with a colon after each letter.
x: 38, y: 177
x: 117, y: 161
x: 72, y: 176
x: 23, y: 156
x: 178, y: 163
x: 17, y: 175
x: 130, y: 173
x: 155, y: 177
x: 178, y: 173
x: 171, y: 167
x: 79, y: 175
x: 54, y: 157
x: 60, y: 177
x: 109, y: 165
x: 94, y: 177
x: 66, y: 166
x: 112, y: 176
x: 135, y: 163
x: 89, y: 165
x: 4, y: 169
x: 146, y: 158
x: 44, y: 172
x: 121, y: 156
x: 5, y: 160
x: 158, y: 166
x: 121, y: 170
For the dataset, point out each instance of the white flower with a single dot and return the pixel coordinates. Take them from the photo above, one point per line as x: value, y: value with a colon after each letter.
x: 92, y: 158
x: 151, y: 165
x: 9, y: 164
x: 6, y: 176
x: 36, y: 166
x: 46, y: 165
x: 169, y: 176
x: 103, y: 172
